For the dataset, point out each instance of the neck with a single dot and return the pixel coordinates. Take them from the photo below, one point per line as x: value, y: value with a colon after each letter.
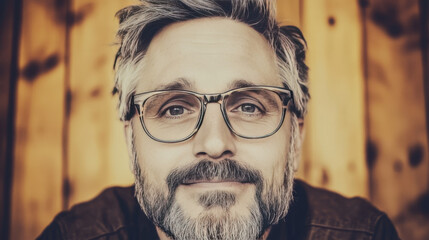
x: 161, y: 234
x: 267, y: 232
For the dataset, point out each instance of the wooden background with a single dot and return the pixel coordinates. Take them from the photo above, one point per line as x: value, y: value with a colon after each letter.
x: 366, y: 131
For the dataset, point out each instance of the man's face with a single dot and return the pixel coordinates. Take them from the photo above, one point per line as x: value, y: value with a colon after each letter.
x: 211, y: 56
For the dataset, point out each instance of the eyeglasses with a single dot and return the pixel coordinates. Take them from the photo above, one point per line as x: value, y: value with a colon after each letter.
x: 172, y: 116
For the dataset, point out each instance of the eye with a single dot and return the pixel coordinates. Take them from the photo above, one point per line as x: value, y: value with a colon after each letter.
x: 175, y: 110
x: 248, y: 108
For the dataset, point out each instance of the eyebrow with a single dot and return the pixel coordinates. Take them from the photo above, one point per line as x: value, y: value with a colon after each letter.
x: 240, y: 83
x: 178, y: 84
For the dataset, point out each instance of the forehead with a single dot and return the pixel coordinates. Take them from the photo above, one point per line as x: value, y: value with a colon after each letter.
x: 210, y: 54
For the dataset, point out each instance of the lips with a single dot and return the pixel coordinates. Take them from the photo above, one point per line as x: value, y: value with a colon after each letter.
x: 216, y: 180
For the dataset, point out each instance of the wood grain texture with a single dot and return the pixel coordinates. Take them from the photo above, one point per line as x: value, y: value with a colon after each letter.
x: 36, y: 196
x: 334, y: 148
x: 289, y: 12
x: 10, y: 12
x: 96, y: 150
x: 397, y: 127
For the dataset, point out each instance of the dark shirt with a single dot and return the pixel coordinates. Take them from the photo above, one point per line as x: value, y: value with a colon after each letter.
x: 314, y: 214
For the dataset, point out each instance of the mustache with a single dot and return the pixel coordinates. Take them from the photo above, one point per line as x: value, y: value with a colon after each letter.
x: 206, y: 170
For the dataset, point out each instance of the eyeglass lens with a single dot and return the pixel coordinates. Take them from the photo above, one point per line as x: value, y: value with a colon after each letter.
x: 174, y: 115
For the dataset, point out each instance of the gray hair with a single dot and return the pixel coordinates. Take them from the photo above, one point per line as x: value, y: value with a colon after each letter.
x: 138, y: 24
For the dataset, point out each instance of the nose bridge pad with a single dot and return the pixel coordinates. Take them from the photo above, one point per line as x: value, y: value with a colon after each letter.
x: 214, y: 99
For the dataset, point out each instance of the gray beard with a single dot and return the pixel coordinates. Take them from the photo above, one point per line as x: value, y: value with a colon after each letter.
x: 209, y: 226
x: 271, y: 202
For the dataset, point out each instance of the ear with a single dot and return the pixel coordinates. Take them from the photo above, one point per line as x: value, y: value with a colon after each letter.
x: 301, y: 128
x: 128, y: 131
x: 299, y: 145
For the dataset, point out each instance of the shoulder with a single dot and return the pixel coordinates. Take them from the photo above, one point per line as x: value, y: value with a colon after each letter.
x: 330, y: 214
x: 113, y: 214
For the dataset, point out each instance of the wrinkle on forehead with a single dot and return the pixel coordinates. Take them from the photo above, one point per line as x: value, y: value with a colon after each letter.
x: 205, y: 48
x: 186, y: 84
x: 206, y: 32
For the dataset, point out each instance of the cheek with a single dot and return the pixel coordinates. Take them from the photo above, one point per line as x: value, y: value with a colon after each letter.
x: 157, y: 159
x: 268, y: 155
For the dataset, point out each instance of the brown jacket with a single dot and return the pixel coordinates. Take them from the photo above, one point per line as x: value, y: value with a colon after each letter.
x: 314, y: 214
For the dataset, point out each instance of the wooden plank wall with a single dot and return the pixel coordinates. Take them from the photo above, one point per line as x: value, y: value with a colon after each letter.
x: 290, y: 12
x: 366, y: 132
x: 69, y: 145
x: 334, y: 154
x: 37, y: 178
x: 9, y: 30
x: 397, y: 137
x: 96, y: 148
x: 374, y: 144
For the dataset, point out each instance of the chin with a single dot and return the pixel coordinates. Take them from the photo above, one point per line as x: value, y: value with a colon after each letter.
x: 238, y: 221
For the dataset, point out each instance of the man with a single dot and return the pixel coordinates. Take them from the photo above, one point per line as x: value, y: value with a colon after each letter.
x: 213, y: 95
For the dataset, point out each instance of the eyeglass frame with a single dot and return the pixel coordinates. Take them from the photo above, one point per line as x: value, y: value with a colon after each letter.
x: 212, y: 98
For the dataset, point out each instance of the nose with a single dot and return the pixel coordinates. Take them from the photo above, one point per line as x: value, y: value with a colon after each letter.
x: 214, y: 140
